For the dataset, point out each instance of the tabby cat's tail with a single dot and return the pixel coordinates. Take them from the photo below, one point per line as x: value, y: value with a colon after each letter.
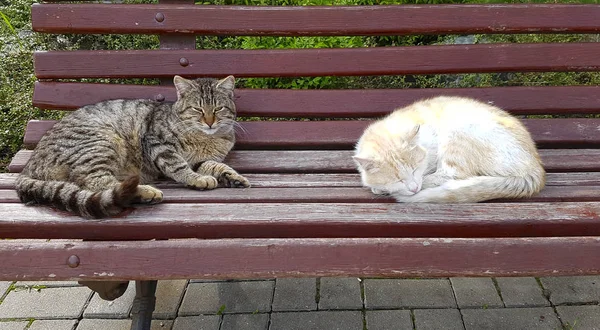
x: 70, y: 197
x: 478, y: 189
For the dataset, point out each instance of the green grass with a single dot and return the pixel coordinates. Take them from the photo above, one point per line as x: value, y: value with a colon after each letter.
x: 18, y: 42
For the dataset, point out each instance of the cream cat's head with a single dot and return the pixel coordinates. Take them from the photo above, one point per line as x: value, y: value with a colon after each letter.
x: 391, y: 165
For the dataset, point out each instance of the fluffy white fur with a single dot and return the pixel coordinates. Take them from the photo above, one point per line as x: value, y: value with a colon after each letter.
x: 449, y: 150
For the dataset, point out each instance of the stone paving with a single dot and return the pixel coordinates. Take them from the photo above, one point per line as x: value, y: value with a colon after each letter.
x: 526, y: 303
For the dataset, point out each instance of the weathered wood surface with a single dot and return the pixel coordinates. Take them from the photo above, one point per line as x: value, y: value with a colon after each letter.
x: 311, y: 180
x: 332, y: 103
x: 319, y: 62
x: 313, y: 20
x: 330, y: 195
x: 343, y: 134
x: 268, y: 258
x: 340, y: 161
x: 280, y: 220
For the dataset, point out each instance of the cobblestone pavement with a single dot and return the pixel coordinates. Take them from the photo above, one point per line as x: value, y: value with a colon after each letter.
x: 526, y: 303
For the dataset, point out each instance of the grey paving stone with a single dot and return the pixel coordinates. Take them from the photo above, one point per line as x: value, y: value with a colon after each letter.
x: 227, y: 297
x: 245, y: 322
x: 572, y: 289
x: 580, y: 317
x: 53, y: 325
x: 13, y: 325
x: 521, y: 291
x: 389, y: 320
x: 115, y: 309
x: 3, y: 287
x: 204, y: 322
x: 395, y: 293
x: 438, y: 319
x: 295, y: 294
x: 540, y: 318
x: 321, y: 320
x: 112, y: 324
x: 168, y: 298
x: 50, y: 284
x: 475, y: 292
x: 55, y: 303
x: 340, y: 293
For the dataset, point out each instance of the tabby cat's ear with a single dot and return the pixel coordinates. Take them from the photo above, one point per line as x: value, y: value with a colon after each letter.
x: 227, y: 83
x: 182, y: 85
x: 367, y: 164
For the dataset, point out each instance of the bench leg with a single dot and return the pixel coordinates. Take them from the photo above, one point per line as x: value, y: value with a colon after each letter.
x: 143, y: 305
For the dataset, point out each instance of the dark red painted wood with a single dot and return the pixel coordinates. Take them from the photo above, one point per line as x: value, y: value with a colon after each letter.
x: 548, y: 133
x: 313, y: 20
x: 280, y: 220
x: 330, y: 195
x: 340, y: 161
x: 269, y: 258
x: 274, y: 180
x: 333, y: 103
x: 320, y: 62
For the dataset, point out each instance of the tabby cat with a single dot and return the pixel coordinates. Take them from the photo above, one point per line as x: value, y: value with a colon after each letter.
x: 449, y: 149
x: 93, y: 161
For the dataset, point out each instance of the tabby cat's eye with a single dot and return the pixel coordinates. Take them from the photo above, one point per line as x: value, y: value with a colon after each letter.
x: 218, y: 109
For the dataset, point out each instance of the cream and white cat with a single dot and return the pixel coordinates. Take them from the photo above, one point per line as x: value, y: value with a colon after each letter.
x: 449, y: 150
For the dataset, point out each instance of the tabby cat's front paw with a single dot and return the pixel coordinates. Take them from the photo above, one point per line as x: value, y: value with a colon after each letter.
x: 148, y: 195
x: 203, y: 182
x: 233, y: 180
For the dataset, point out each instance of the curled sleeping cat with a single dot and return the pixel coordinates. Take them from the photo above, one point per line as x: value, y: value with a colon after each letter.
x: 449, y: 150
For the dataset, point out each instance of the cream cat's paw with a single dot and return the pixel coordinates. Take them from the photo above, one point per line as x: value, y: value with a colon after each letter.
x: 203, y: 182
x: 233, y: 180
x: 148, y: 195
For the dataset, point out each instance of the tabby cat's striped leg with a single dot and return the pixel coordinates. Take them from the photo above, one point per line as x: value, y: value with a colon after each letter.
x: 226, y: 176
x: 175, y: 167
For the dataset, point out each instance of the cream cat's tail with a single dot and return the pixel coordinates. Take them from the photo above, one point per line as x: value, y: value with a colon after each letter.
x: 69, y: 196
x: 478, y: 189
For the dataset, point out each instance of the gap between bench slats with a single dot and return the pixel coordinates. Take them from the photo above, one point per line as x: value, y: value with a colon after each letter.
x: 319, y: 62
x: 310, y: 21
x: 275, y: 180
x: 281, y: 220
x: 268, y: 258
x: 331, y: 195
x: 340, y: 161
x: 547, y: 133
x: 332, y: 103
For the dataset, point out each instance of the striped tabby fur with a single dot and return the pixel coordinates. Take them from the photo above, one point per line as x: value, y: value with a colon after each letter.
x: 93, y: 161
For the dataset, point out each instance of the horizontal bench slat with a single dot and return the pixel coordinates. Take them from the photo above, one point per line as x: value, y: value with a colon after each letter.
x: 269, y: 220
x: 313, y: 20
x: 320, y: 62
x: 269, y: 258
x: 547, y: 133
x: 311, y: 180
x: 340, y: 161
x: 332, y: 103
x: 331, y: 195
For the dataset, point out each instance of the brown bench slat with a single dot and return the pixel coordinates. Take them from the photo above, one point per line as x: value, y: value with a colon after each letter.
x: 320, y: 62
x: 547, y: 133
x: 268, y: 220
x: 340, y: 161
x: 307, y: 21
x: 309, y: 180
x: 268, y: 258
x: 332, y: 103
x: 331, y: 195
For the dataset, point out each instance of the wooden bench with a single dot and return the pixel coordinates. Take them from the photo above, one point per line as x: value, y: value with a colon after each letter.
x: 306, y: 214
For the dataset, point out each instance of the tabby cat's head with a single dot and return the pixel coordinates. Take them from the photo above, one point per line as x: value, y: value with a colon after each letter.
x: 206, y: 103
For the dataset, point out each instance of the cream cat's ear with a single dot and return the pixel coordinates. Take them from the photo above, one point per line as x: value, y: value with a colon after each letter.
x: 182, y: 85
x: 227, y: 83
x: 367, y: 164
x: 413, y: 132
